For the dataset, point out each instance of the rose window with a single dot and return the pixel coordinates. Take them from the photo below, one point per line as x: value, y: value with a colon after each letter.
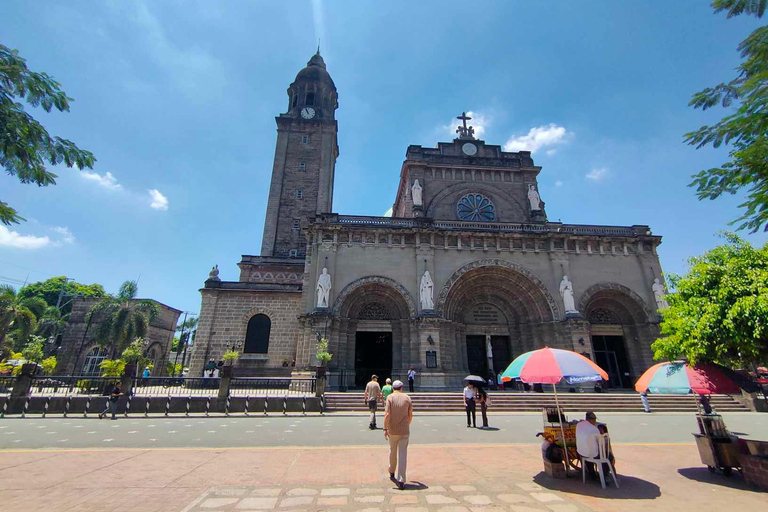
x: 476, y: 207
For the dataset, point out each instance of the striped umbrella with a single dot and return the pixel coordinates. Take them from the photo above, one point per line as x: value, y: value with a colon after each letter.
x: 551, y: 366
x: 680, y: 378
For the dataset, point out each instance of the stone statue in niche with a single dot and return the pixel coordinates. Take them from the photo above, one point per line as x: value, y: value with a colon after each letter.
x: 426, y: 291
x: 416, y: 193
x: 323, y: 289
x: 213, y: 275
x: 658, y: 293
x: 534, y: 198
x: 566, y: 291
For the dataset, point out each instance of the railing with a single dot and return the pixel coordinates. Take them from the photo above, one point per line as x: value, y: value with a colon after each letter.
x: 268, y: 386
x: 507, y: 227
x: 6, y: 384
x: 71, y: 385
x: 175, y: 386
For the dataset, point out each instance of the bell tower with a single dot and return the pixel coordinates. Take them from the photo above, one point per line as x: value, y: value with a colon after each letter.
x: 305, y: 161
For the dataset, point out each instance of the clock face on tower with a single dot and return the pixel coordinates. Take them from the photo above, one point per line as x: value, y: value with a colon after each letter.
x: 469, y: 149
x: 307, y: 112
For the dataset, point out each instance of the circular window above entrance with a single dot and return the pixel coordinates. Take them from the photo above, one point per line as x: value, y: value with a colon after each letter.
x: 476, y: 207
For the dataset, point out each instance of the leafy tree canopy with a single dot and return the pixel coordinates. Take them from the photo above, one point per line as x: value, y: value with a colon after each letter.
x: 719, y: 309
x: 122, y: 318
x: 745, y: 129
x: 25, y: 146
x: 49, y: 290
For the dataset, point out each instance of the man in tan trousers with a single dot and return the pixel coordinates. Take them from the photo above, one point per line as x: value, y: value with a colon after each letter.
x: 398, y: 414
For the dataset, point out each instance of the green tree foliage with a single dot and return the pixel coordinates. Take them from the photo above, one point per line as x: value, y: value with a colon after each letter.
x: 719, y: 309
x: 25, y: 146
x: 134, y: 353
x: 112, y: 368
x: 121, y: 319
x: 50, y: 289
x: 745, y: 130
x: 33, y: 351
x: 172, y: 369
x: 49, y: 365
x: 17, y: 318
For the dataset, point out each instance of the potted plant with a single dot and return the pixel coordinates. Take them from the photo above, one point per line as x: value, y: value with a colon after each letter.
x: 132, y: 354
x: 323, y: 356
x: 230, y: 357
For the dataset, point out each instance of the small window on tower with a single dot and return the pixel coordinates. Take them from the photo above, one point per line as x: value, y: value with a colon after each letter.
x: 296, y: 224
x: 302, y: 166
x: 305, y: 139
x: 299, y: 194
x: 310, y: 99
x: 293, y: 253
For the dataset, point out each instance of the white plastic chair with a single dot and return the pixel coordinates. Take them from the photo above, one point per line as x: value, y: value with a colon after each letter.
x: 603, y: 442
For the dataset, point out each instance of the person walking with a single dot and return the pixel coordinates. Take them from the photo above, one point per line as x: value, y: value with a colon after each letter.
x: 398, y: 414
x: 114, y: 396
x: 372, y: 396
x: 386, y: 390
x: 411, y: 378
x: 485, y: 401
x: 469, y: 405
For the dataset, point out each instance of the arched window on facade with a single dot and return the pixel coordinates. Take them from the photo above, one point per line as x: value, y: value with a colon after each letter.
x: 257, y: 335
x: 92, y: 361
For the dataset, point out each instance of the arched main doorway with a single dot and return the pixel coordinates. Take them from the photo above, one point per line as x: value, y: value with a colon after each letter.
x: 497, y: 311
x: 616, y: 315
x: 373, y: 330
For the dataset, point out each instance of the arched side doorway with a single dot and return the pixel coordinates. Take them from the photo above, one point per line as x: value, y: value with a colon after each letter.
x: 497, y: 310
x: 617, y: 320
x: 372, y: 333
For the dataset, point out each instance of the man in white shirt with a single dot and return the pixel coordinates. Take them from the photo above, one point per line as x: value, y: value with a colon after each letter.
x: 411, y: 378
x: 586, y: 436
x: 469, y: 405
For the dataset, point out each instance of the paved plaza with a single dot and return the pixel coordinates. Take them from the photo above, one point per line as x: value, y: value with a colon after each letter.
x: 334, y: 463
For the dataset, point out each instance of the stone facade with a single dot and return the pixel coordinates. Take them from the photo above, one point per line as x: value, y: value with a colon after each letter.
x: 77, y: 342
x: 480, y: 230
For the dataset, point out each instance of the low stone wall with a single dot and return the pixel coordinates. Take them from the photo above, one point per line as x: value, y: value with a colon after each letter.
x: 755, y: 470
x: 157, y: 405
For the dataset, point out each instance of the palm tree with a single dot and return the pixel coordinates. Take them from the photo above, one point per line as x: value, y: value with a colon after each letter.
x: 51, y: 323
x: 18, y: 317
x: 122, y: 318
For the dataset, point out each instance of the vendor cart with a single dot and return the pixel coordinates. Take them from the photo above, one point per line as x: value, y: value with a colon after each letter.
x: 717, y: 447
x: 557, y: 426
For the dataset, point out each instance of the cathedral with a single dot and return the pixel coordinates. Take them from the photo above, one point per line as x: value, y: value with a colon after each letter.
x: 467, y: 273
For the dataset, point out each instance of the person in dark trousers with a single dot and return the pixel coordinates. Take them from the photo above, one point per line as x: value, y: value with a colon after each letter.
x: 372, y: 397
x: 484, y: 400
x: 114, y: 396
x: 411, y: 378
x: 469, y: 405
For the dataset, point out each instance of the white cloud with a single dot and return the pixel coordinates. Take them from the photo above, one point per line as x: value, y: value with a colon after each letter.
x: 539, y: 137
x: 159, y: 201
x: 66, y: 234
x: 558, y: 183
x: 551, y: 152
x: 479, y: 122
x: 598, y: 173
x: 107, y: 181
x: 15, y: 240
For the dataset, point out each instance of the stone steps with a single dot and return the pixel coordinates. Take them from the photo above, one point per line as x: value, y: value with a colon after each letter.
x: 531, y: 402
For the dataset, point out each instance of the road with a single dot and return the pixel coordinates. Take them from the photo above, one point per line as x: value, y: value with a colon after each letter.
x: 335, y: 430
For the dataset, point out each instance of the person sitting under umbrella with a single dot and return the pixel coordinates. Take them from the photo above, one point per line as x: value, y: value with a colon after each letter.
x: 587, y: 434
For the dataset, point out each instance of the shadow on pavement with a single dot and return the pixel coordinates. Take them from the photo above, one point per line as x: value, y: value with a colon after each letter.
x: 631, y: 488
x: 735, y: 481
x: 489, y: 429
x: 415, y: 486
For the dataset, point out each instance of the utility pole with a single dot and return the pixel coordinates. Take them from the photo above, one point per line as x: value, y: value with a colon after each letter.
x: 178, y: 347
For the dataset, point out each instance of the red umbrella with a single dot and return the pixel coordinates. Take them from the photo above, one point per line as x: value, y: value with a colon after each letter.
x: 680, y: 378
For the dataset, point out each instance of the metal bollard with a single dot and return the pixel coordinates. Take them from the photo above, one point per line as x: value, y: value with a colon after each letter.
x: 146, y: 407
x: 128, y: 405
x: 226, y: 406
x: 285, y: 405
x: 189, y: 400
x: 247, y: 397
x: 67, y: 405
x: 45, y: 407
x: 266, y: 405
x: 24, y: 410
x: 207, y: 406
x: 5, y: 407
x: 304, y: 405
x: 87, y: 407
x: 168, y: 405
x: 322, y: 404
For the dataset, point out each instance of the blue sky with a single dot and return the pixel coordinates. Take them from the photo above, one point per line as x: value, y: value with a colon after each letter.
x: 177, y: 101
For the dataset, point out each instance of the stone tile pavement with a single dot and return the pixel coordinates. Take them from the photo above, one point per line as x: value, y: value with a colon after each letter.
x: 417, y: 497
